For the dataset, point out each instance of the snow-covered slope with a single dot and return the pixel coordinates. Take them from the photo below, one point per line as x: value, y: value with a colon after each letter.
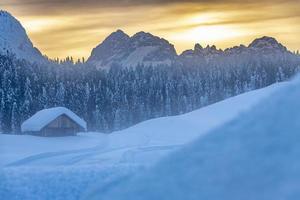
x: 13, y: 38
x: 140, y: 49
x: 66, y: 168
x: 256, y: 156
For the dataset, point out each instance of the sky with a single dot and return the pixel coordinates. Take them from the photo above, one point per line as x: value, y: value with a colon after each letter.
x: 61, y: 28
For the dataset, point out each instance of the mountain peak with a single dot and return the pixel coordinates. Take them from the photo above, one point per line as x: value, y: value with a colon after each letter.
x: 14, y: 39
x: 140, y: 49
x: 5, y: 13
x: 120, y: 31
x: 198, y: 47
x: 213, y: 47
x: 117, y: 35
x: 143, y: 37
x: 143, y: 34
x: 9, y: 23
x: 267, y: 43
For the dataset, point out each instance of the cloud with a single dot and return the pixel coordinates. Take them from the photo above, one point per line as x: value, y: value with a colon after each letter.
x: 73, y: 27
x: 65, y: 6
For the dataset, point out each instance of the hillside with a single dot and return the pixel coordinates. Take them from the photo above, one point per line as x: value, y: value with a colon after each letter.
x: 253, y: 157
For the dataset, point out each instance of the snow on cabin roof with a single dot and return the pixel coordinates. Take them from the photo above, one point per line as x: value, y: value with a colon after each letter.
x: 43, y: 117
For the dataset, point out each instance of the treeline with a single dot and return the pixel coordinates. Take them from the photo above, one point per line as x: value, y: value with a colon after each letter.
x: 120, y: 97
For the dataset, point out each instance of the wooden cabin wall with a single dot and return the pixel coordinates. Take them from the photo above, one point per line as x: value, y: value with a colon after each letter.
x: 62, y: 121
x: 61, y: 126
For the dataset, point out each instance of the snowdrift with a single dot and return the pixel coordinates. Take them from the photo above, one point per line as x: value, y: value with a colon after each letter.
x: 256, y: 156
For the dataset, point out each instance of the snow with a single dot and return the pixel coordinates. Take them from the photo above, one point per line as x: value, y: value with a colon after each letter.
x: 138, y: 55
x: 17, y: 147
x: 67, y: 168
x: 255, y: 156
x: 13, y: 38
x: 43, y: 117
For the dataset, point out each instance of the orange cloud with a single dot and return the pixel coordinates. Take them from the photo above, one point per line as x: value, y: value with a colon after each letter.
x: 62, y: 30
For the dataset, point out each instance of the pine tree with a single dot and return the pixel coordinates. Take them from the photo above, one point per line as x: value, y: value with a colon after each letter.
x: 1, y: 110
x: 120, y: 97
x: 86, y: 100
x: 168, y: 101
x: 26, y: 106
x: 280, y: 75
x: 60, y: 95
x: 44, y: 99
x: 117, y: 120
x: 14, y: 119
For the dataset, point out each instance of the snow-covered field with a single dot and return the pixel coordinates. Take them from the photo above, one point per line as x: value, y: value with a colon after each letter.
x: 67, y: 167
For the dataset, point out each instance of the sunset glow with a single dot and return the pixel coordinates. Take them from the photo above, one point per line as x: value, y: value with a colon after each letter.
x: 73, y: 28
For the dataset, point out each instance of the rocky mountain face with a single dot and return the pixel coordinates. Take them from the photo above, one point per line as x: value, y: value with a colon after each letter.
x: 267, y: 45
x: 264, y: 45
x: 140, y: 49
x: 201, y: 53
x: 13, y: 39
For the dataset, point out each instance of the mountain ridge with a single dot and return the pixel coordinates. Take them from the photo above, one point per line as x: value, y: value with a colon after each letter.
x: 141, y: 48
x: 120, y: 49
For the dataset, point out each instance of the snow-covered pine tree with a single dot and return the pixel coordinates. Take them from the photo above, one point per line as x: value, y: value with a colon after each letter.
x: 1, y: 110
x: 60, y: 95
x: 15, y: 125
x: 26, y: 108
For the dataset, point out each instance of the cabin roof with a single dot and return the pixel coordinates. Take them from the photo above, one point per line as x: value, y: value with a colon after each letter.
x: 43, y: 117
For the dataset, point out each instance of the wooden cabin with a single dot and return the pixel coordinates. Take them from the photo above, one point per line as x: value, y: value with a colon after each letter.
x: 54, y: 122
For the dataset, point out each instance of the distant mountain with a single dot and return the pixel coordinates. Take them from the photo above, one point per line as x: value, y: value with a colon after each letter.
x: 142, y: 48
x: 264, y: 45
x: 122, y: 50
x: 267, y: 44
x: 13, y: 38
x: 147, y: 49
x: 200, y: 52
